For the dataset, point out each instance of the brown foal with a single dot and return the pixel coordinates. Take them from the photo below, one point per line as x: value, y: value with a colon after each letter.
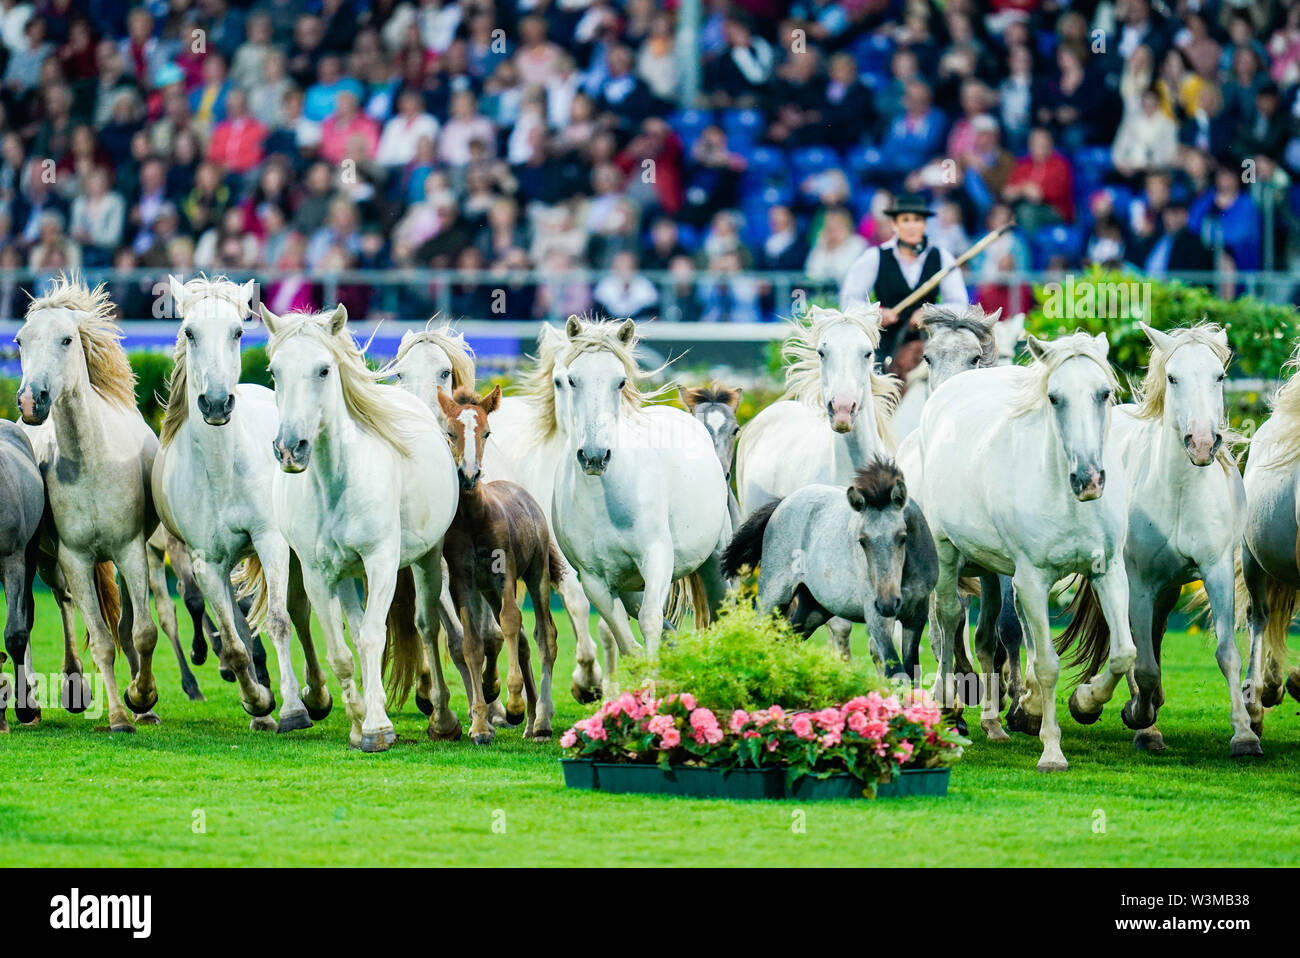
x: 499, y: 537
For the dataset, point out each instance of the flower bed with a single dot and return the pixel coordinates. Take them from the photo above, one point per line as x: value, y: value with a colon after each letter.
x: 873, y: 744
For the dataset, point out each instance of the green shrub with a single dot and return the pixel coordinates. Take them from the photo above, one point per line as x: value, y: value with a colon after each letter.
x: 9, y: 398
x: 152, y: 374
x: 253, y: 366
x: 745, y: 660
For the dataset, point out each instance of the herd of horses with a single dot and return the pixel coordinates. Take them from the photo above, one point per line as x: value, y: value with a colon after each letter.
x: 400, y: 503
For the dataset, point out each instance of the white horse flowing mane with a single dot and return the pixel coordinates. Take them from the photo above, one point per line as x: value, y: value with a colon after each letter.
x: 451, y: 342
x: 1033, y: 389
x: 803, y: 372
x: 1285, y: 450
x: 176, y: 409
x: 109, y: 370
x: 363, y: 393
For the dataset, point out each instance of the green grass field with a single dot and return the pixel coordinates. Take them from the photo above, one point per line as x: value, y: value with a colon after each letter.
x: 203, y: 790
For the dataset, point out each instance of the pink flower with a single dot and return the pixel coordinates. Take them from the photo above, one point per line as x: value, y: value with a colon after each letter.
x: 660, y: 724
x: 569, y: 739
x: 629, y: 705
x: 831, y: 739
x: 858, y: 704
x: 924, y: 715
x: 671, y: 739
x: 904, y: 751
x: 703, y: 718
x: 593, y: 727
x: 771, y: 745
x: 688, y: 700
x: 777, y: 713
x: 874, y: 705
x: 858, y: 722
x: 598, y: 733
x: 830, y: 720
x: 875, y: 728
x: 891, y: 706
x: 803, y: 727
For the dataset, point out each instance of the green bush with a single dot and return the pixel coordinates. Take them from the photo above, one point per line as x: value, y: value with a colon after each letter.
x: 152, y: 372
x: 253, y: 367
x: 745, y: 660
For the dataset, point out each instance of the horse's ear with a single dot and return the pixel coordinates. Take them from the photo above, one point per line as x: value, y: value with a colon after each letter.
x: 338, y: 319
x: 898, y: 495
x: 687, y: 396
x: 248, y: 291
x: 991, y: 319
x: 573, y: 327
x: 1102, y: 343
x: 1037, y: 348
x: 1221, y: 337
x: 626, y: 331
x: 177, y: 289
x: 1160, y: 340
x: 446, y: 404
x: 492, y: 400
x: 271, y: 320
x: 857, y: 502
x: 736, y: 394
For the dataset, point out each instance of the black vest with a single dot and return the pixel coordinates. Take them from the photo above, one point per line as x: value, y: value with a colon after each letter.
x: 892, y: 288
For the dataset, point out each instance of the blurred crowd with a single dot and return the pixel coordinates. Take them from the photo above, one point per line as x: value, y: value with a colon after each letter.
x: 497, y: 137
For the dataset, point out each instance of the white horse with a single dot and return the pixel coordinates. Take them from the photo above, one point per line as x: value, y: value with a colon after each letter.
x: 523, y: 448
x: 834, y: 420
x: 212, y: 482
x: 96, y: 453
x: 367, y: 487
x: 1014, y: 461
x: 1187, y: 514
x: 639, y: 502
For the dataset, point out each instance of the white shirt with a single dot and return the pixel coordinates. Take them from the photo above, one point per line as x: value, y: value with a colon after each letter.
x: 862, y: 275
x: 625, y: 297
x: 401, y: 136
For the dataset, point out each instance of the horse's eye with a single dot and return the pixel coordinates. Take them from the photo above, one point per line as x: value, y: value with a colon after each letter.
x: 239, y: 334
x: 928, y: 360
x: 821, y: 353
x: 902, y: 538
x: 622, y: 382
x: 1222, y: 377
x: 735, y: 431
x: 1173, y: 380
x: 558, y: 384
x: 487, y: 435
x: 973, y: 361
x: 446, y: 374
x: 572, y: 384
x: 67, y: 340
x: 397, y: 377
x: 189, y: 334
x: 324, y: 372
x: 1103, y: 396
x: 1054, y: 400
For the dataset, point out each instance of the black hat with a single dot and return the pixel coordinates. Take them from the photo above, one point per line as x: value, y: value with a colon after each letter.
x: 909, y: 203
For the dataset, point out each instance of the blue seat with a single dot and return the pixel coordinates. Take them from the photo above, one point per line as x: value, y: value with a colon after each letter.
x: 867, y: 164
x: 754, y: 211
x: 1058, y: 240
x: 689, y: 124
x: 873, y: 52
x: 766, y: 165
x: 689, y: 236
x: 743, y: 127
x: 808, y: 161
x: 1092, y: 164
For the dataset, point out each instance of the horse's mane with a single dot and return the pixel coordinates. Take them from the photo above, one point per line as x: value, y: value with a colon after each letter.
x: 1285, y: 407
x: 367, y: 400
x: 876, y: 481
x: 101, y: 337
x: 601, y: 335
x: 536, y: 387
x: 1033, y: 388
x: 970, y: 318
x: 219, y: 287
x: 711, y: 395
x: 803, y: 374
x: 450, y: 342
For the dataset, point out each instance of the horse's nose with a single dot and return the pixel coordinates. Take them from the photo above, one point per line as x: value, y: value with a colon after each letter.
x: 1202, y: 445
x: 34, y: 404
x: 1087, y: 483
x: 842, y: 412
x: 215, y: 407
x: 292, y: 455
x: 593, y: 461
x: 889, y: 606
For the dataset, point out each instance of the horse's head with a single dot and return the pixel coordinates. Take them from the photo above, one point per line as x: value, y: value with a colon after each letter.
x: 879, y: 496
x: 423, y: 370
x: 957, y: 340
x: 596, y: 379
x: 1079, y: 388
x: 716, y: 409
x: 212, y: 327
x: 847, y: 355
x: 1194, y: 371
x: 468, y: 429
x: 52, y: 358
x: 308, y: 392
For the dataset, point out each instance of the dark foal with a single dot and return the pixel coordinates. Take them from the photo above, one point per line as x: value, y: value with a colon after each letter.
x: 498, y: 539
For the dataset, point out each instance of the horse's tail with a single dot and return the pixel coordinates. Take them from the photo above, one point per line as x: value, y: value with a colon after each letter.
x: 249, y: 579
x: 968, y: 586
x: 555, y: 561
x: 1198, y: 608
x: 1281, y: 609
x: 688, y: 593
x: 1087, y: 632
x: 403, y: 652
x: 746, y: 546
x: 109, y: 598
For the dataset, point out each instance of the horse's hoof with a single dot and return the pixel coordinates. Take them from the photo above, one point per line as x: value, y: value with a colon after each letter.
x: 317, y: 708
x: 266, y: 708
x: 541, y: 735
x: 424, y: 705
x: 27, y: 714
x: 1271, y: 696
x: 124, y: 729
x: 959, y: 724
x: 262, y: 723
x: 199, y: 653
x: 994, y: 731
x: 1054, y: 765
x: 1246, y: 746
x: 75, y: 694
x: 1017, y: 719
x: 449, y: 734
x: 483, y: 738
x: 584, y: 696
x: 497, y: 715
x: 148, y: 718
x: 375, y: 741
x: 139, y: 707
x: 1136, y: 717
x: 293, y: 722
x: 1293, y: 684
x: 515, y: 718
x: 226, y: 674
x: 1149, y: 740
x: 1079, y: 715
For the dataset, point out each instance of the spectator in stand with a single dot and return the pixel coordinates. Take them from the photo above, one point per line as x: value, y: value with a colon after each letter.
x: 207, y: 201
x: 739, y: 76
x: 713, y: 174
x: 266, y: 97
x: 836, y: 249
x: 209, y: 101
x: 98, y: 219
x: 23, y: 70
x: 237, y: 141
x: 321, y: 97
x: 624, y: 293
x: 1147, y: 139
x: 728, y: 296
x: 1208, y: 129
x: 1267, y: 128
x: 402, y: 134
x: 1041, y: 186
x: 466, y: 125
x: 917, y: 135
x: 656, y: 61
x: 346, y: 127
x: 1227, y: 218
x: 247, y: 67
x: 537, y: 56
x: 665, y: 244
x: 1178, y: 249
x: 1016, y: 97
x: 783, y: 249
x: 1074, y: 103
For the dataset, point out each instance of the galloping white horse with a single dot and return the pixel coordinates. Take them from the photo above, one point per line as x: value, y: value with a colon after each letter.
x: 212, y: 482
x: 834, y: 421
x: 367, y: 486
x: 1187, y: 513
x: 520, y: 449
x: 1014, y: 461
x: 639, y: 502
x: 96, y: 453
